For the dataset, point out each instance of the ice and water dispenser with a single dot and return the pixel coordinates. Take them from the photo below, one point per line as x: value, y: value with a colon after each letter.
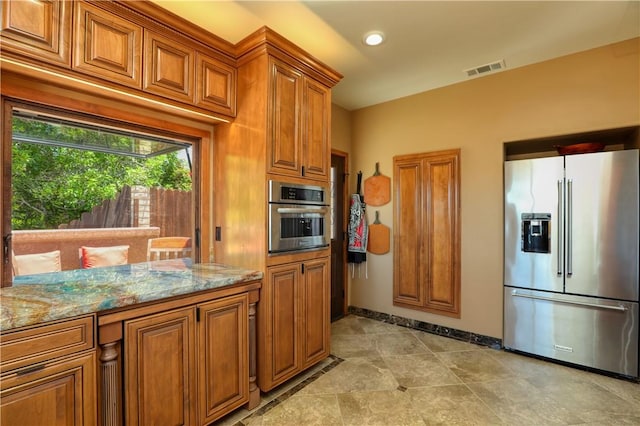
x: 536, y: 232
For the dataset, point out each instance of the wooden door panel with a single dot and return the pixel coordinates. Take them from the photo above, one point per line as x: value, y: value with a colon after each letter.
x: 61, y: 393
x: 39, y: 29
x: 107, y: 46
x: 224, y: 356
x: 284, y: 135
x: 441, y: 218
x: 408, y: 244
x: 168, y: 67
x: 427, y: 232
x: 316, y: 312
x: 317, y: 104
x: 215, y: 85
x: 159, y: 362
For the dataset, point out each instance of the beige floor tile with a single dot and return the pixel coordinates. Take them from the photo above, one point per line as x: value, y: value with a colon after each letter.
x: 420, y: 370
x: 398, y: 344
x: 451, y: 405
x: 390, y: 375
x: 516, y: 401
x: 382, y: 408
x: 352, y: 375
x: 475, y: 366
x: 305, y: 410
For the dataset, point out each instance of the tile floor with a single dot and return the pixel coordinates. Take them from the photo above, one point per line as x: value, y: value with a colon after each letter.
x: 383, y: 374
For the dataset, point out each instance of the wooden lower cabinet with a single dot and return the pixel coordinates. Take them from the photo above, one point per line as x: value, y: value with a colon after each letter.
x: 60, y: 393
x: 293, y: 320
x: 223, y: 356
x: 48, y: 374
x: 159, y: 369
x: 177, y: 361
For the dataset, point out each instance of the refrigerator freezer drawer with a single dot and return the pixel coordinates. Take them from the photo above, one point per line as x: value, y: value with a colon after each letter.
x: 592, y: 332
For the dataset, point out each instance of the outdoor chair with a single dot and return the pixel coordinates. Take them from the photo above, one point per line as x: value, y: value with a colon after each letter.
x: 36, y: 263
x: 168, y: 248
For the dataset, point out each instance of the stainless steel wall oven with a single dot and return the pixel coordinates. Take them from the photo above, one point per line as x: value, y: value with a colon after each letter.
x: 299, y: 217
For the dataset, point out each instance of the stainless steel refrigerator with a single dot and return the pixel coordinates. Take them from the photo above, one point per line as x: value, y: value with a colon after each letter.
x: 571, y: 280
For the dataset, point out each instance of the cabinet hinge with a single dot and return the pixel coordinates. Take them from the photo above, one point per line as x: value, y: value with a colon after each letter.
x: 197, y: 237
x: 302, y: 170
x: 302, y: 268
x: 197, y: 314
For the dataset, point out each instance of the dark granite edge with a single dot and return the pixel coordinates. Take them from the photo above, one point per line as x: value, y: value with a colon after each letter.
x: 464, y: 336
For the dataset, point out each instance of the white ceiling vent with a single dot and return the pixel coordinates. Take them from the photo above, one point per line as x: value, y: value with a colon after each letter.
x: 483, y: 69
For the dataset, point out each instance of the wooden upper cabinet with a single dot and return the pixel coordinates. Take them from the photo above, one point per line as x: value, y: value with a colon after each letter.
x: 215, y: 85
x: 285, y: 101
x: 299, y: 109
x: 316, y: 135
x: 168, y: 67
x: 107, y: 46
x: 39, y: 29
x: 427, y: 232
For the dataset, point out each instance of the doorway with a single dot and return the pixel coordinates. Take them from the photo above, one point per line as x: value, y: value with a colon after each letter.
x: 338, y: 234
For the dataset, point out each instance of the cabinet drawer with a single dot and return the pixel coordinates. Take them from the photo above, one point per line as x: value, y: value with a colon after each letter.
x: 39, y: 344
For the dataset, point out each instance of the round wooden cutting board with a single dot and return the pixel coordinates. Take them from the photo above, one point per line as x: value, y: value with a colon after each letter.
x: 378, y: 237
x: 377, y: 189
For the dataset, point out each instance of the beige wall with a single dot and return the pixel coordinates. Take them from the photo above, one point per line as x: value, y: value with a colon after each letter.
x: 591, y: 90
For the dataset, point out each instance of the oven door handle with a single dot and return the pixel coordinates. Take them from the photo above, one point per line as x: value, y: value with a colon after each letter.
x: 303, y: 210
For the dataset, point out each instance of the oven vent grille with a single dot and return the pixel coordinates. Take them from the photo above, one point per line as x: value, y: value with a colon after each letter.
x: 483, y: 69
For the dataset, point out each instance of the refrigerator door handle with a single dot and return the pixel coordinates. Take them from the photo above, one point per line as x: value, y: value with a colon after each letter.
x: 559, y: 222
x: 620, y: 308
x: 569, y: 227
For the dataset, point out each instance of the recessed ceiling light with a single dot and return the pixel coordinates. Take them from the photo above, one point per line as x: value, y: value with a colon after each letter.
x: 373, y: 38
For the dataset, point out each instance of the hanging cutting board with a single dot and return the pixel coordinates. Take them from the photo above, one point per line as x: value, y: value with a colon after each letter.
x: 377, y: 189
x: 378, y: 237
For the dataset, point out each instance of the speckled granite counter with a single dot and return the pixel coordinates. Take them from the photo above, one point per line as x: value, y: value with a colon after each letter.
x: 39, y: 298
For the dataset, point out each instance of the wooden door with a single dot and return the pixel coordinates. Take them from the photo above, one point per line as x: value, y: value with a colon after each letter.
x: 223, y: 352
x: 316, y: 131
x: 316, y: 314
x: 283, y: 133
x: 427, y: 232
x: 159, y: 369
x: 338, y: 235
x: 59, y: 393
x: 278, y: 313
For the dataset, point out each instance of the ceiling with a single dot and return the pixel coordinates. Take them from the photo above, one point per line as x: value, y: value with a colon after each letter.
x: 429, y: 44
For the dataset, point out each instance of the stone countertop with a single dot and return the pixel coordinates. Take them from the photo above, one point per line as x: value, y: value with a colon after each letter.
x: 35, y: 299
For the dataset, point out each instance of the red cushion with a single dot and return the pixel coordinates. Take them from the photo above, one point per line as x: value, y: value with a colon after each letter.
x: 94, y: 257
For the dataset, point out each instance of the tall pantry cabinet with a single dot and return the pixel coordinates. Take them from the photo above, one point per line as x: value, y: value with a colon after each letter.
x: 281, y: 132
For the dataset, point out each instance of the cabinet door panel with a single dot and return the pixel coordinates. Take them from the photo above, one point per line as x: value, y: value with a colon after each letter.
x: 224, y: 356
x: 278, y: 318
x: 107, y: 46
x: 60, y: 393
x: 316, y: 312
x: 215, y: 85
x: 39, y: 29
x: 316, y: 145
x: 427, y: 232
x: 168, y: 67
x: 407, y: 233
x: 159, y: 362
x: 284, y: 111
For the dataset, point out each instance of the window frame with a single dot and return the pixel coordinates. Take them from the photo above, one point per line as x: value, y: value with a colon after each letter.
x: 112, y: 113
